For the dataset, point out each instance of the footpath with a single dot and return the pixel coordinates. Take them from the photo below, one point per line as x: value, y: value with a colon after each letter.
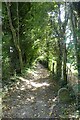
x: 33, y: 96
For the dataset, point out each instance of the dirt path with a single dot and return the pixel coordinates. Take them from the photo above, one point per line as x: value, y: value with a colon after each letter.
x: 33, y: 96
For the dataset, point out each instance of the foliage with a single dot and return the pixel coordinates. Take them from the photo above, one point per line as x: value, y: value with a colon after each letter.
x: 45, y: 33
x: 40, y: 28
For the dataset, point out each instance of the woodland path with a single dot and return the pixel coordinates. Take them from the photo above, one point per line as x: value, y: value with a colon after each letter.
x: 33, y: 96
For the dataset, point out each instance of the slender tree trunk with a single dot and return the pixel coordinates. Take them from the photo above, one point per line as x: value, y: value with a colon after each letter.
x: 76, y: 41
x: 64, y: 44
x: 78, y: 51
x: 15, y: 38
x: 64, y: 64
x: 18, y: 43
x: 74, y: 22
x: 20, y: 57
x: 59, y: 59
x: 47, y: 47
x: 59, y: 62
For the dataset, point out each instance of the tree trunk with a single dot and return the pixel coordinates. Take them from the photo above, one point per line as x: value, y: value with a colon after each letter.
x: 76, y: 24
x: 64, y: 45
x: 47, y: 49
x: 76, y: 40
x: 64, y: 63
x: 53, y: 69
x: 59, y: 62
x: 20, y: 58
x: 59, y: 59
x: 78, y: 51
x: 15, y: 38
x: 18, y: 43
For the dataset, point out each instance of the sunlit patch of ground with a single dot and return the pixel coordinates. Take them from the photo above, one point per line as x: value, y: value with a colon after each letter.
x: 32, y: 97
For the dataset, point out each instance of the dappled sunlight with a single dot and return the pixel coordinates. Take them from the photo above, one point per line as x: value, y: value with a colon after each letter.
x: 54, y: 99
x: 29, y: 83
x: 75, y: 114
x: 34, y: 84
x: 33, y: 96
x: 54, y: 103
x: 19, y: 96
x: 30, y: 99
x: 24, y: 80
x: 72, y: 68
x: 23, y: 87
x: 39, y: 72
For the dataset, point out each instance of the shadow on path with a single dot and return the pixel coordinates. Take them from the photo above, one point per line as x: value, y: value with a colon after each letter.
x: 33, y: 96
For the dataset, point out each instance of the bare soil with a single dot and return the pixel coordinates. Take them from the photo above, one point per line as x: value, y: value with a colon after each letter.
x: 35, y: 96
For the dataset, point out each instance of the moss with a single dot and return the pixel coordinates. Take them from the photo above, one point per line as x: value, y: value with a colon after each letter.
x: 64, y: 95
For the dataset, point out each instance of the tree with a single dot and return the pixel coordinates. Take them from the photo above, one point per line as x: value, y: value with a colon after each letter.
x: 60, y: 34
x: 75, y: 29
x: 14, y: 34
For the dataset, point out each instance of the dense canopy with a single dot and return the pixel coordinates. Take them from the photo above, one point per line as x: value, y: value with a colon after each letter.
x: 45, y: 33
